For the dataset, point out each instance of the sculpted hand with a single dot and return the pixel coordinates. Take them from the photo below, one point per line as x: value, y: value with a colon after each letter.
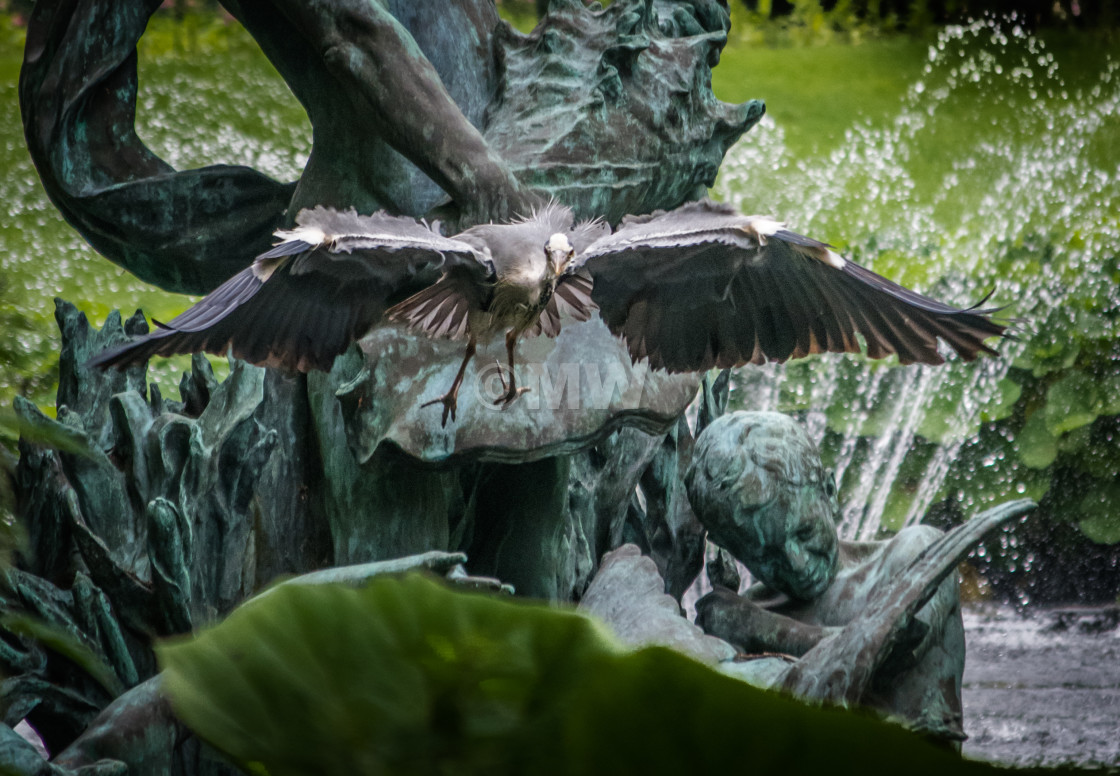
x: 459, y: 576
x: 723, y: 614
x: 752, y: 629
x: 490, y: 192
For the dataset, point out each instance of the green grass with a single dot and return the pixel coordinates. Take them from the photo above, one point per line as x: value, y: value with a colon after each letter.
x: 818, y: 92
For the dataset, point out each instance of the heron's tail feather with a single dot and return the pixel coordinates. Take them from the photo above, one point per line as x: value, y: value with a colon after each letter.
x: 572, y: 298
x: 440, y: 310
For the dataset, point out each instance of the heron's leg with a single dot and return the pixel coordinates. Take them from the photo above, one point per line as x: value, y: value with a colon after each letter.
x: 450, y: 399
x: 512, y: 391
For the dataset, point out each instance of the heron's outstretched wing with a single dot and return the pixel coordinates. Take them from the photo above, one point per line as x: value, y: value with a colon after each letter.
x: 703, y: 286
x: 303, y: 302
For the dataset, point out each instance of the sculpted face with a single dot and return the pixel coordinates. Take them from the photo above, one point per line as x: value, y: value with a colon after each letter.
x: 758, y: 486
x: 793, y: 546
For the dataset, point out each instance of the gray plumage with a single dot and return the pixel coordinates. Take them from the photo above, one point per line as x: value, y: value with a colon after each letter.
x: 697, y: 287
x: 704, y: 286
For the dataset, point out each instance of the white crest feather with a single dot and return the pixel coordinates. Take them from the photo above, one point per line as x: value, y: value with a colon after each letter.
x: 312, y: 235
x: 558, y: 242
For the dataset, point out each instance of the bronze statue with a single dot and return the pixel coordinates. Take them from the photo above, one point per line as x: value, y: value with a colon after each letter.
x: 175, y: 510
x: 164, y: 514
x: 757, y: 484
x: 414, y: 105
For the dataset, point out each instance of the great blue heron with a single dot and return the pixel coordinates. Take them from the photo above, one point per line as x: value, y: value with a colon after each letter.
x: 693, y: 288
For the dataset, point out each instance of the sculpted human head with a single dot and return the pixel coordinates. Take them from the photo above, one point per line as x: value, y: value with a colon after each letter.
x: 757, y: 484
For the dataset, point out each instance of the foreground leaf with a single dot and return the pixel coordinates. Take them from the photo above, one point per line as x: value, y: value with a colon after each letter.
x: 406, y: 676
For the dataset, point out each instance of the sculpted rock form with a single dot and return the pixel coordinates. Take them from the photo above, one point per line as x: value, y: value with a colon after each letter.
x: 145, y: 521
x: 153, y: 517
x: 613, y: 111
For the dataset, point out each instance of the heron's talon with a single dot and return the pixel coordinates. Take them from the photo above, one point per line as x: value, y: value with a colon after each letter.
x: 450, y: 403
x: 510, y: 396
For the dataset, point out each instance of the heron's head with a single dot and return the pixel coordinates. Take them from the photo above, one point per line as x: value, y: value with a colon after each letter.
x: 559, y: 252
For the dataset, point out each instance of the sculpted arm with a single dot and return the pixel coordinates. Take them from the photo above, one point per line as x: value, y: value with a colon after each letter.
x: 375, y: 101
x: 752, y: 629
x: 377, y: 60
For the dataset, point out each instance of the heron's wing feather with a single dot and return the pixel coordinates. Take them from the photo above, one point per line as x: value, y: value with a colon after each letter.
x: 703, y: 286
x: 381, y: 247
x: 303, y: 302
x: 586, y: 233
x: 571, y: 299
x: 443, y: 308
x: 284, y: 322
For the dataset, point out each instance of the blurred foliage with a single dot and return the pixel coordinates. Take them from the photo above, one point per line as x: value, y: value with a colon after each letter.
x: 12, y: 535
x: 1063, y: 423
x: 812, y: 22
x: 522, y: 14
x: 407, y: 676
x: 30, y: 361
x: 60, y: 641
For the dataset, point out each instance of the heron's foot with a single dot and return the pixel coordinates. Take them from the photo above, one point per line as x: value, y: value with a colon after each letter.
x: 450, y: 402
x: 512, y: 389
x: 510, y: 396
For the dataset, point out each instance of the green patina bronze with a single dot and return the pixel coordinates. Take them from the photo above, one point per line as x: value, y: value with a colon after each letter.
x: 872, y: 623
x: 410, y: 103
x: 158, y: 516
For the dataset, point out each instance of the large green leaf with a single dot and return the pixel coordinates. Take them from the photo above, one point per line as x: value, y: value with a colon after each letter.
x: 1037, y: 446
x: 1100, y: 509
x: 1071, y: 403
x: 406, y: 676
x: 329, y: 680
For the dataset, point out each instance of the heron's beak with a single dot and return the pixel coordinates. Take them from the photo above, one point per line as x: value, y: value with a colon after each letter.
x: 565, y: 261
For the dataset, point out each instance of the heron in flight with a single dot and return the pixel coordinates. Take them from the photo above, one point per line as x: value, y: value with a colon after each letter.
x: 693, y: 288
